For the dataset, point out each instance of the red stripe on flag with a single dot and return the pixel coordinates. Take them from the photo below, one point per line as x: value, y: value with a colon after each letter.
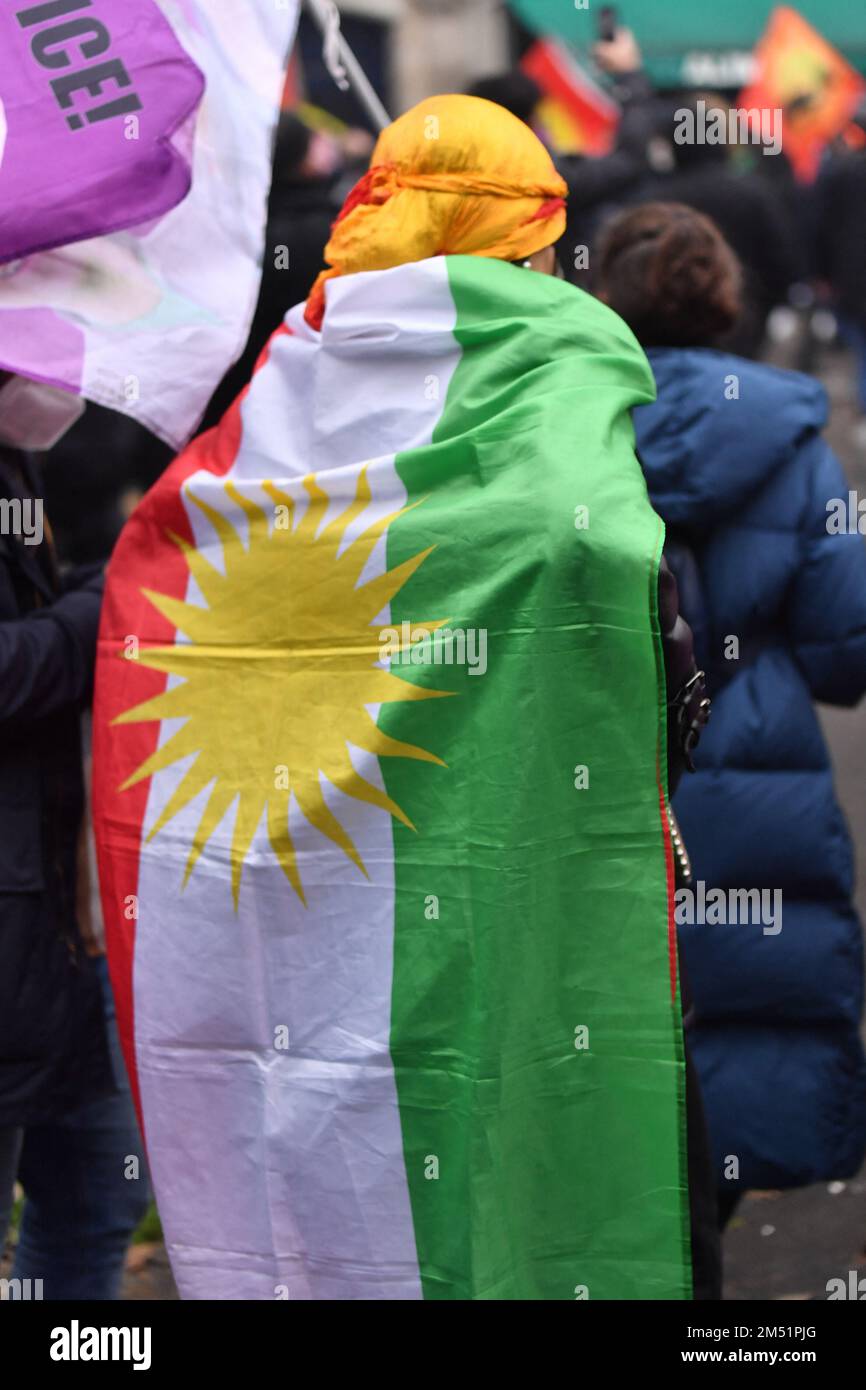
x: 118, y: 817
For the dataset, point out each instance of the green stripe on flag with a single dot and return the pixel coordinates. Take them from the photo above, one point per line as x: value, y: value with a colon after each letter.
x: 543, y: 1160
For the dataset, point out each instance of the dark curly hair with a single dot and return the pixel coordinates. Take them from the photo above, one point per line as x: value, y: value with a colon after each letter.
x: 668, y: 271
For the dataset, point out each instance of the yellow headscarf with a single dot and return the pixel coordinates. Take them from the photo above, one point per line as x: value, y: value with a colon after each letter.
x: 455, y: 176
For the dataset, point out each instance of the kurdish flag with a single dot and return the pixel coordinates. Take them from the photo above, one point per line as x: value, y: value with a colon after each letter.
x: 815, y: 86
x: 379, y: 731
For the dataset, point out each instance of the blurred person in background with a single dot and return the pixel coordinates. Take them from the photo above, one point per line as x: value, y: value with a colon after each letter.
x: 737, y: 467
x: 597, y: 185
x: 67, y: 1129
x: 747, y: 208
x: 840, y: 206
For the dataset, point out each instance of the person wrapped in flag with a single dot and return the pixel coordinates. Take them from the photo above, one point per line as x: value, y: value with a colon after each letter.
x: 380, y: 777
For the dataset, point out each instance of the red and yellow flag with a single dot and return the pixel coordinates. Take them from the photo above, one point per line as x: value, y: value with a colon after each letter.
x: 576, y: 115
x: 810, y: 80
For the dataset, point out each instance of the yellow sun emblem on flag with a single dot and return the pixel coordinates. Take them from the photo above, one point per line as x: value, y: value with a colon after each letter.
x: 278, y: 671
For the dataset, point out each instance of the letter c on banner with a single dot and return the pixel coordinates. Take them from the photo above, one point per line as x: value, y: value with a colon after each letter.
x: 48, y: 39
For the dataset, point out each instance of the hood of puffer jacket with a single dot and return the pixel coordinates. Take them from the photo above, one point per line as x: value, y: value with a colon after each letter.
x: 706, y: 450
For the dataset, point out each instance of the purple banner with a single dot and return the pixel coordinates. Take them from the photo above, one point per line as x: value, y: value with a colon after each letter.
x: 91, y: 94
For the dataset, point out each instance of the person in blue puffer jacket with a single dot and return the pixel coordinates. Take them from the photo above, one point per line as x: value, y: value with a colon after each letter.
x: 775, y: 593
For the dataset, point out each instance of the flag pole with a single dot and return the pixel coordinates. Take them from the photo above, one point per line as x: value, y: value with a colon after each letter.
x: 342, y: 63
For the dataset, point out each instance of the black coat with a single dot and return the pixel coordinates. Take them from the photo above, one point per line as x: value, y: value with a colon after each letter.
x: 841, y: 206
x: 52, y: 1034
